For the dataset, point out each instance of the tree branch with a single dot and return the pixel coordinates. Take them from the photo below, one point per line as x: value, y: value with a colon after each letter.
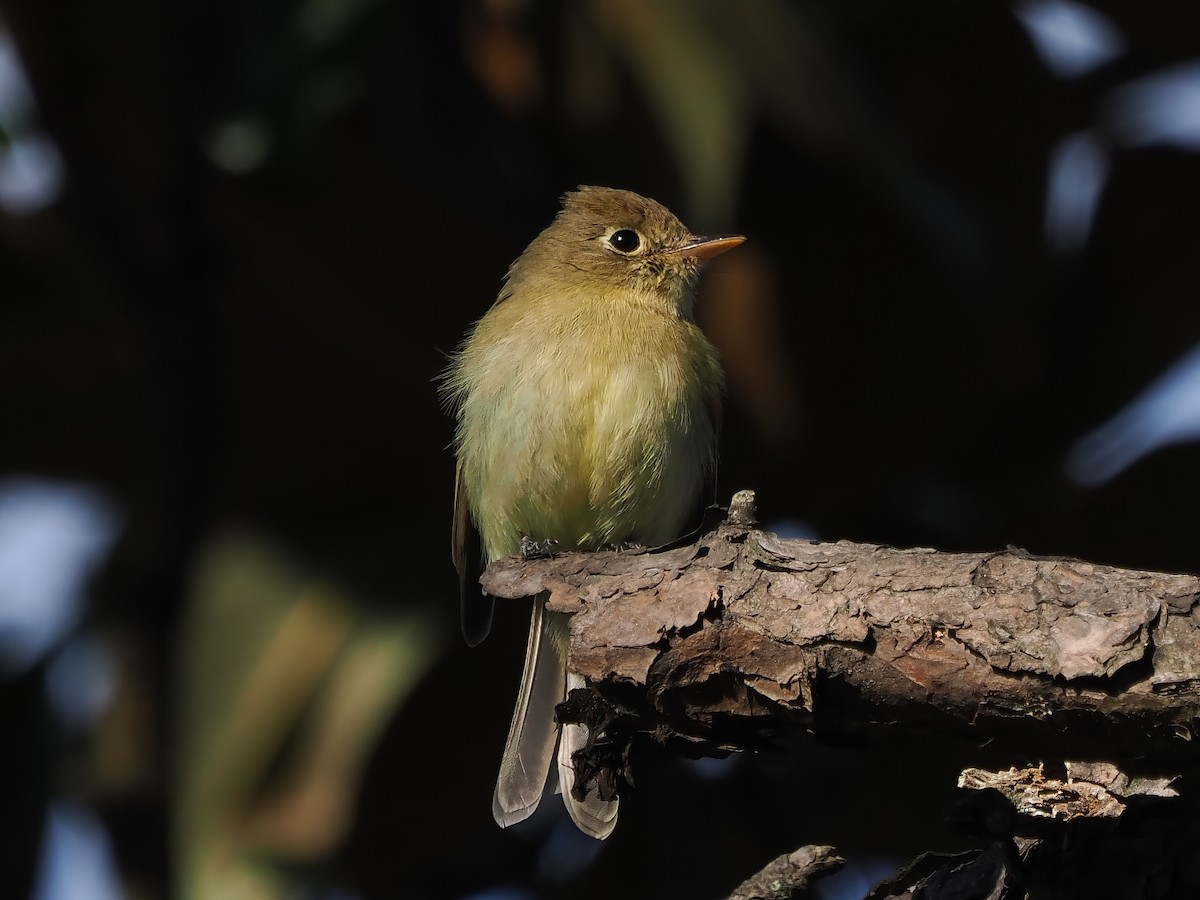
x: 725, y: 642
x: 732, y: 637
x: 789, y: 875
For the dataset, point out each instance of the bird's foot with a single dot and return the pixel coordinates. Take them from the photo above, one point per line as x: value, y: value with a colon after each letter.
x: 531, y: 549
x: 627, y: 545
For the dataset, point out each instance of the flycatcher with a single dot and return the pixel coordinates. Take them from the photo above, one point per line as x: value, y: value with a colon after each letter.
x: 588, y: 404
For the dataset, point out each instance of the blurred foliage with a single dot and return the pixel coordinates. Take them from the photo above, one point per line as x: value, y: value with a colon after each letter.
x: 285, y: 681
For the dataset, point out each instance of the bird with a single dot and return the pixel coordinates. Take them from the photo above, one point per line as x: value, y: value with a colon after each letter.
x: 587, y: 407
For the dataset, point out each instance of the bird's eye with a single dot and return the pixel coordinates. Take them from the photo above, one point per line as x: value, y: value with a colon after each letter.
x: 625, y: 241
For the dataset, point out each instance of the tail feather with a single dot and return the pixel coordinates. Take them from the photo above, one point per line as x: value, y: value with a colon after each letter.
x: 529, y: 751
x: 531, y: 737
x: 595, y: 817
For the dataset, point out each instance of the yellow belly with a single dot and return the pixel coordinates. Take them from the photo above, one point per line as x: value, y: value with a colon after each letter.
x: 587, y: 431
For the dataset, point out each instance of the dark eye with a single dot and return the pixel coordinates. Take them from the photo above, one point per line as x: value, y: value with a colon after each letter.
x: 626, y: 240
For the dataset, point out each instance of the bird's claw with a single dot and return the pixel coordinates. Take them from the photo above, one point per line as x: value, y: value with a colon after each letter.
x: 531, y: 549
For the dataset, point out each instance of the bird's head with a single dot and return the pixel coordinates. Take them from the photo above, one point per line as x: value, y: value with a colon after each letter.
x: 615, y: 240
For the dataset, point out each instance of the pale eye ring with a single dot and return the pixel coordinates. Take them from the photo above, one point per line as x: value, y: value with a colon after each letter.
x: 625, y: 240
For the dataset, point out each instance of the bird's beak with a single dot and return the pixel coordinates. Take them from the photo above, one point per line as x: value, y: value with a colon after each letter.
x: 707, y: 247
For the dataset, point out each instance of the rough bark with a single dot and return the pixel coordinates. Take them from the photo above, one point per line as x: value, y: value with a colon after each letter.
x: 725, y: 642
x: 789, y: 875
x: 741, y: 633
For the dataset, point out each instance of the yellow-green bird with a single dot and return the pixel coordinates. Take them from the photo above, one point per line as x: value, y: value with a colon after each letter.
x: 588, y: 404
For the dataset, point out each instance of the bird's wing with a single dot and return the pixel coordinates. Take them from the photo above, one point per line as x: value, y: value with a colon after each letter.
x: 716, y: 414
x: 475, y: 607
x: 706, y: 515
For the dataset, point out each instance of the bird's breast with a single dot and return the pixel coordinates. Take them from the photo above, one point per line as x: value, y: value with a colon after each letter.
x: 586, y: 429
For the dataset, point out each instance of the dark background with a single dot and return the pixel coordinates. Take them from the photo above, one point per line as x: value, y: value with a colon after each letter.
x: 277, y: 218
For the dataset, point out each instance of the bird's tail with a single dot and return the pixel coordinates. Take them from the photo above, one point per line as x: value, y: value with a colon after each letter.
x: 531, y: 737
x: 595, y: 817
